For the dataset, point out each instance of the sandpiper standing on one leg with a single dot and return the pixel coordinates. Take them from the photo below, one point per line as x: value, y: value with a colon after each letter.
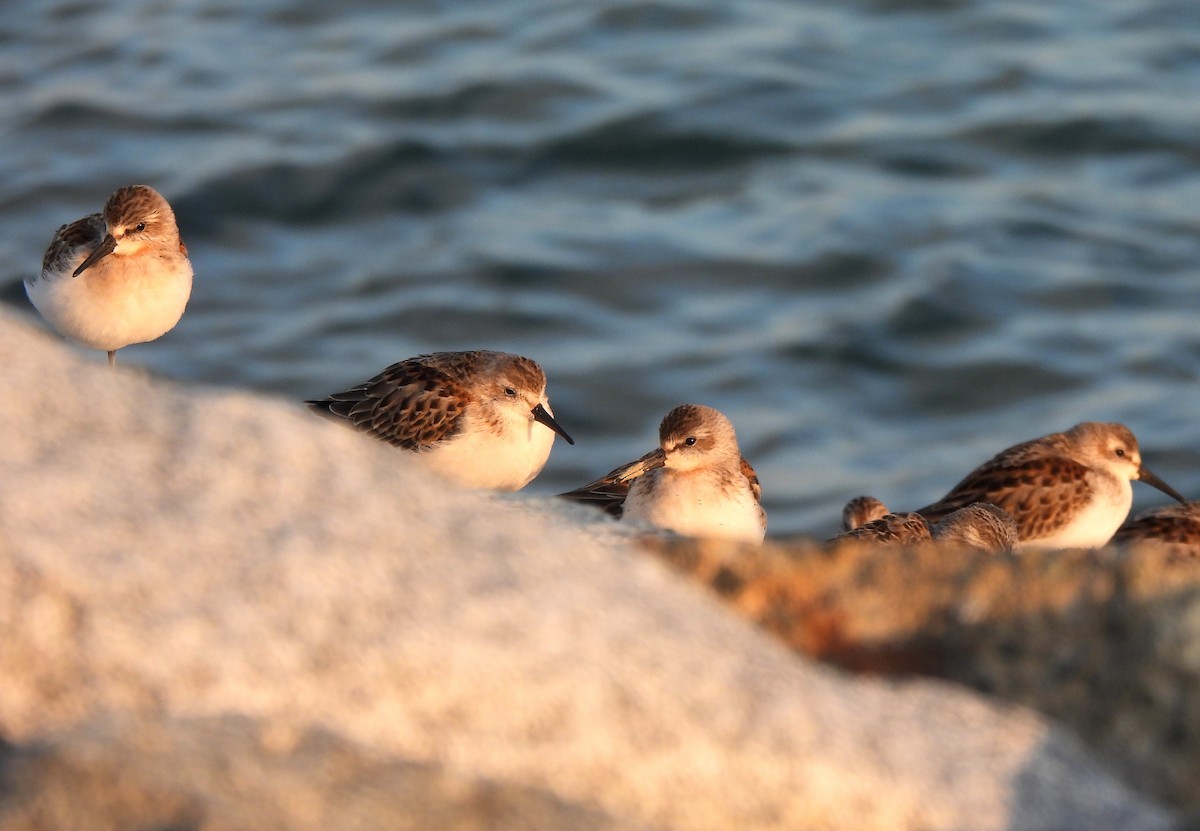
x: 477, y: 418
x: 117, y: 277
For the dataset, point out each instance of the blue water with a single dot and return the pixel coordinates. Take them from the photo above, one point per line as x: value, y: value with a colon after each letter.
x: 887, y: 237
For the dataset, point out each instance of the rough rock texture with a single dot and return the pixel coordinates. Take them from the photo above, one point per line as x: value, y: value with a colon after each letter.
x: 169, y: 555
x: 222, y: 774
x: 1108, y: 641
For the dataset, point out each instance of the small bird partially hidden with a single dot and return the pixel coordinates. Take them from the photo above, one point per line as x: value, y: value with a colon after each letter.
x: 117, y: 277
x: 899, y: 529
x: 696, y: 483
x: 1065, y: 490
x: 860, y: 510
x: 477, y: 418
x: 1174, y: 529
x: 981, y: 526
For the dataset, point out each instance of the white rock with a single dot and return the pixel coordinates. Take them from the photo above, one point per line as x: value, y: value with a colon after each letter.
x: 197, y: 552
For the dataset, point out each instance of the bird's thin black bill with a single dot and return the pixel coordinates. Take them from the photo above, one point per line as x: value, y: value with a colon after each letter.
x: 540, y: 415
x: 1154, y: 482
x: 106, y: 247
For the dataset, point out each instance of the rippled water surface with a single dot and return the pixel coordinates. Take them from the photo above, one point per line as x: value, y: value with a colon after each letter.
x: 887, y: 238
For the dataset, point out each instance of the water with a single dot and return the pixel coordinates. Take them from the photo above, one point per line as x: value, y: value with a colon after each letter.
x: 888, y: 237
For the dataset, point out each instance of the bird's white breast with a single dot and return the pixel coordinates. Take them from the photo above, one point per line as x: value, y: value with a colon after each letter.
x: 479, y: 457
x: 1094, y: 524
x: 116, y: 302
x: 695, y: 505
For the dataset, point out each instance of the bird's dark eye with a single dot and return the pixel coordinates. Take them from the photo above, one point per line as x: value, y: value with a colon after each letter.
x: 141, y: 226
x: 1121, y: 452
x: 689, y: 441
x: 510, y: 392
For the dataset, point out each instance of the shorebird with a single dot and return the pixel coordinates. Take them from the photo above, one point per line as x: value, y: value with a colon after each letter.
x: 1174, y: 529
x: 696, y: 483
x: 889, y: 529
x: 117, y: 277
x: 860, y: 510
x: 1064, y: 490
x: 981, y: 526
x: 477, y: 418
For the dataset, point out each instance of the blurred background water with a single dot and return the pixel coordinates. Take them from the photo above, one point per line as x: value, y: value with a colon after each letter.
x: 888, y: 238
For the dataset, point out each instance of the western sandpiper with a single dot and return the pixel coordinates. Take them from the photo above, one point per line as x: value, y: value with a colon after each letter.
x: 1174, y: 529
x: 696, y: 483
x: 981, y: 526
x: 860, y: 510
x: 1065, y: 490
x: 117, y: 277
x: 889, y: 529
x: 478, y: 418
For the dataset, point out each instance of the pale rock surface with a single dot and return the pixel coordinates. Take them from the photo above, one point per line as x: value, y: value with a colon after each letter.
x: 227, y: 773
x: 172, y: 555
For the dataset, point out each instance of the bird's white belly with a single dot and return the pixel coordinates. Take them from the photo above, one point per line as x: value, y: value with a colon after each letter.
x: 1094, y: 525
x: 479, y: 458
x: 115, y: 306
x: 686, y: 506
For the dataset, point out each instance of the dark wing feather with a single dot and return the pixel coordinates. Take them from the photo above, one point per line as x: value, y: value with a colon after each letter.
x: 609, y: 491
x: 1177, y: 526
x: 409, y: 405
x: 1040, y: 493
x: 890, y: 529
x: 70, y: 241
